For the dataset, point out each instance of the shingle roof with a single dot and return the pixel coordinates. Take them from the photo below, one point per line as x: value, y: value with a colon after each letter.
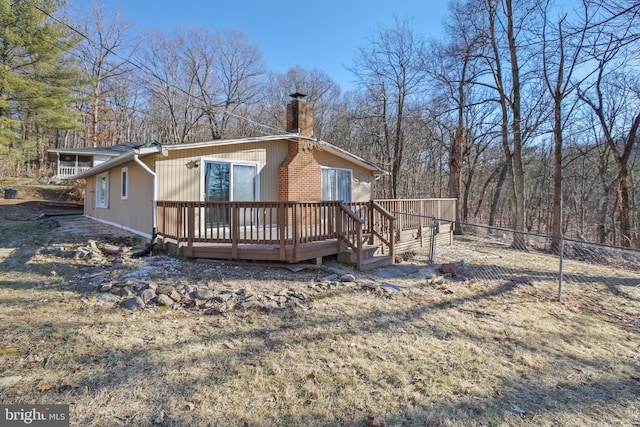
x: 113, y: 150
x: 154, y: 147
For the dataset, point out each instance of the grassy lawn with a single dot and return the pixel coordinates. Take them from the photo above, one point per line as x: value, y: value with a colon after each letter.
x: 454, y: 353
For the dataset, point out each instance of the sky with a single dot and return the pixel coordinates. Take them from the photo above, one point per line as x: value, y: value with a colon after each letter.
x: 313, y: 34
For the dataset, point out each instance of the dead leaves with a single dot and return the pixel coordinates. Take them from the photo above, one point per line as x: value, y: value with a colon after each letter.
x: 445, y: 289
x: 44, y: 387
x: 66, y: 384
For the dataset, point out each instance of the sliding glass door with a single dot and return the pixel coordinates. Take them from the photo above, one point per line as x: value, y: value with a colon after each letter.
x: 224, y: 182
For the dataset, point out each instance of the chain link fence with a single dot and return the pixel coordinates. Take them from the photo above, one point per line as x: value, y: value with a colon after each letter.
x: 493, y: 253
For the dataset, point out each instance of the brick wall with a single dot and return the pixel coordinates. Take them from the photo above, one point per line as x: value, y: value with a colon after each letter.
x: 300, y: 117
x: 300, y: 176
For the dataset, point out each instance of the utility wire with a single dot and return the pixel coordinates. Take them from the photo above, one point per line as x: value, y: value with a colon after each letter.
x: 147, y: 70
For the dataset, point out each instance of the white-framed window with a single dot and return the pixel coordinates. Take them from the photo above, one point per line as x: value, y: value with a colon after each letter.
x: 102, y: 190
x: 124, y: 183
x: 336, y: 184
x: 225, y: 180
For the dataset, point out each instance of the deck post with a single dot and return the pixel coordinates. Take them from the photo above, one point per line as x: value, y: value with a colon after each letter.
x: 296, y: 232
x: 358, y: 245
x: 339, y: 215
x: 371, y: 222
x: 282, y: 230
x: 191, y: 228
x: 235, y: 229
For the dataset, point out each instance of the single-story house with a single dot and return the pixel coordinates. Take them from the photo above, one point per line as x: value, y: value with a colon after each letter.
x: 287, y: 197
x: 285, y: 190
x: 74, y: 161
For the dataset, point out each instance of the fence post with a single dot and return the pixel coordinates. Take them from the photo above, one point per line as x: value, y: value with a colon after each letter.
x: 432, y: 243
x: 560, y: 269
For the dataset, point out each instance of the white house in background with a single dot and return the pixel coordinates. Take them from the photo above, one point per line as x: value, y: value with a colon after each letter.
x: 73, y: 161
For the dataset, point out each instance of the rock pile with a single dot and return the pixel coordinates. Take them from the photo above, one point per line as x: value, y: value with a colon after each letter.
x: 111, y: 277
x: 134, y: 291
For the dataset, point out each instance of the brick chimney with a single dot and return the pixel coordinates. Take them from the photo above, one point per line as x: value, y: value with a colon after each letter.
x: 300, y: 115
x: 300, y: 174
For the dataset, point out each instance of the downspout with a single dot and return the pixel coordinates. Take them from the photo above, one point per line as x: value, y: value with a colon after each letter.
x: 154, y: 232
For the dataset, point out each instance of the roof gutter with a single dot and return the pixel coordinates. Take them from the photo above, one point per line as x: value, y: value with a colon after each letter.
x: 154, y: 203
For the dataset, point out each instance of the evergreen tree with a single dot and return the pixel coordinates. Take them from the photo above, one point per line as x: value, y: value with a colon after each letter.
x: 37, y: 83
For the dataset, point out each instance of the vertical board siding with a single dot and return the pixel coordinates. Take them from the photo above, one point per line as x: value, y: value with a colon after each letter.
x: 135, y: 212
x: 361, y: 186
x: 178, y: 182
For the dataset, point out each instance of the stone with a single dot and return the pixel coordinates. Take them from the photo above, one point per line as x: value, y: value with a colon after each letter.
x: 188, y: 289
x: 370, y: 285
x: 271, y: 305
x: 111, y: 249
x: 203, y: 294
x: 223, y: 297
x: 139, y: 287
x: 135, y: 303
x: 251, y: 304
x: 165, y: 300
x: 347, y: 278
x: 6, y: 382
x: 107, y: 298
x: 105, y: 287
x: 125, y: 292
x: 147, y: 295
x: 165, y: 289
x: 175, y: 295
x: 436, y: 280
x: 299, y: 295
x: 97, y: 281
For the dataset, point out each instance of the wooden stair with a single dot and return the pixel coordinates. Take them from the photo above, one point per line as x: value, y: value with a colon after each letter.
x: 369, y: 258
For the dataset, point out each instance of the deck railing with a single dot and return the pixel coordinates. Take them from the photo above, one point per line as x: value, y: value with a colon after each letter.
x: 69, y: 171
x: 285, y: 230
x: 283, y: 224
x: 414, y: 213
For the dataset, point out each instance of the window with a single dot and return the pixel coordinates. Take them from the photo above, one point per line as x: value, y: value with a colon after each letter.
x: 336, y: 184
x: 102, y: 190
x: 124, y: 183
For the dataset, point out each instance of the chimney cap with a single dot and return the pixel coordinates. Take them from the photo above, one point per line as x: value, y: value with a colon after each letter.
x: 298, y: 95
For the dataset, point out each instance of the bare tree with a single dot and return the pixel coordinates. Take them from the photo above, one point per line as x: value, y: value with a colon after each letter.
x: 562, y: 54
x: 227, y: 69
x: 392, y: 70
x: 614, y: 94
x: 172, y: 90
x: 504, y: 63
x: 320, y: 89
x: 103, y: 56
x: 456, y: 68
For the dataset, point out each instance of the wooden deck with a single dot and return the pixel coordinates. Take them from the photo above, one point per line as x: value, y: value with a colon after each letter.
x: 296, y: 231
x: 265, y: 252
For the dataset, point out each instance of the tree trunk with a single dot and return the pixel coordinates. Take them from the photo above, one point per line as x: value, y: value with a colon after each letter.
x: 496, y: 195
